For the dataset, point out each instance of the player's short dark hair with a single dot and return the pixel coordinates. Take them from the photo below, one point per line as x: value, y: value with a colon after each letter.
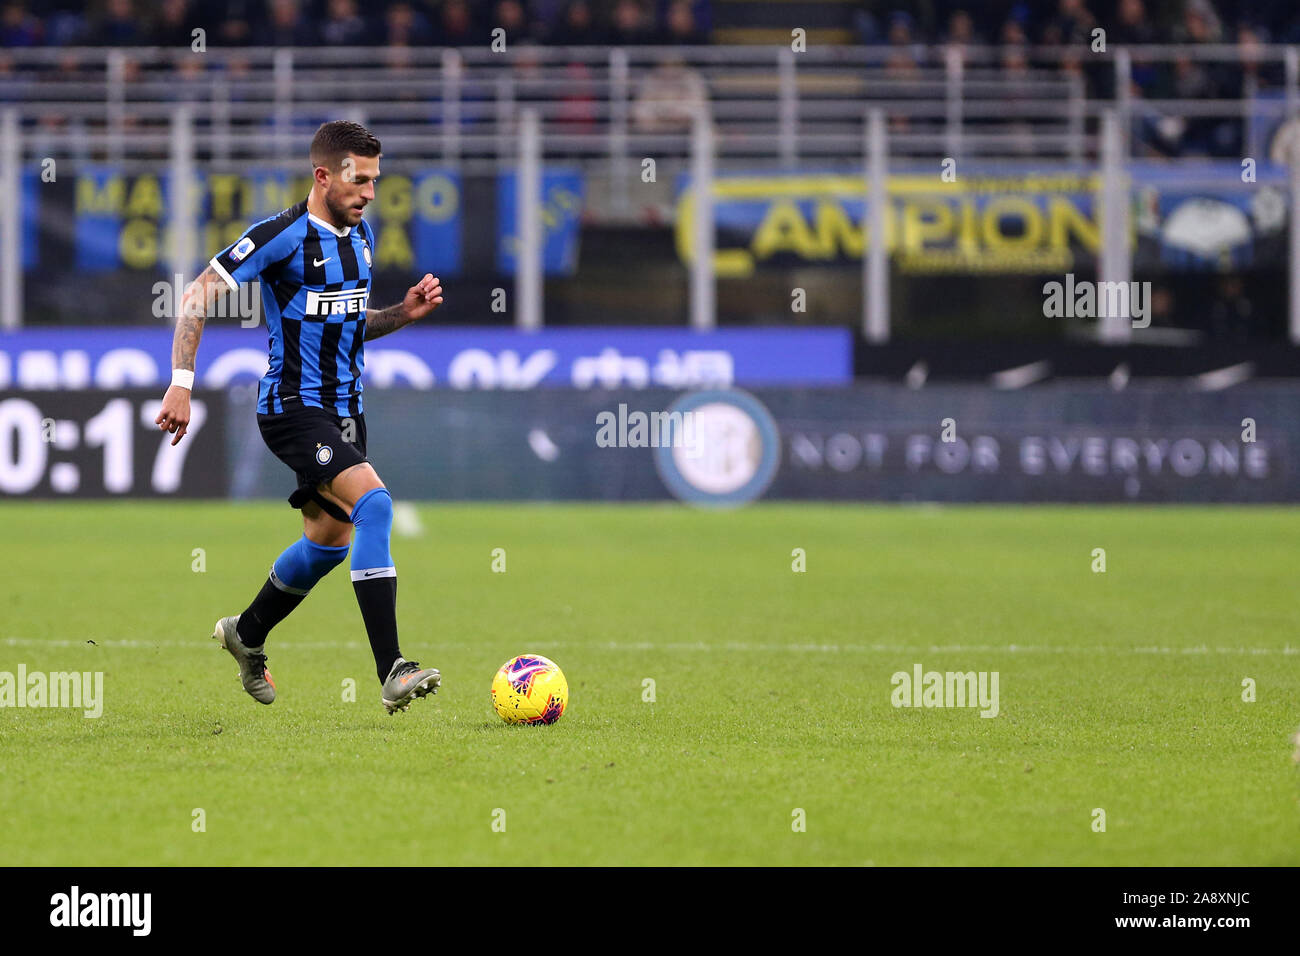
x: 333, y: 141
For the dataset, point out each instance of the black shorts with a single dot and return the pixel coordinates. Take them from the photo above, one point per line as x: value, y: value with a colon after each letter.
x: 316, y: 444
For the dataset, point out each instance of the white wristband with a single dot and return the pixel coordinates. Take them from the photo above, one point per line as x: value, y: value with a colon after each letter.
x: 183, y: 377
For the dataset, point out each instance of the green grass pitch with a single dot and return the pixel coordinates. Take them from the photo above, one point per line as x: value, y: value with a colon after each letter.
x: 1119, y: 690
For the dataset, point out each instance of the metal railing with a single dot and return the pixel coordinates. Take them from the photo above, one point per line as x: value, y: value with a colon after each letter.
x: 769, y: 105
x: 477, y: 111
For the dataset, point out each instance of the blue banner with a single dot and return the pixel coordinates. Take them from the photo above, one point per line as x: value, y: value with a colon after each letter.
x: 436, y: 225
x: 31, y: 187
x: 987, y: 220
x: 459, y: 358
x: 562, y: 197
x: 123, y: 220
x: 99, y: 218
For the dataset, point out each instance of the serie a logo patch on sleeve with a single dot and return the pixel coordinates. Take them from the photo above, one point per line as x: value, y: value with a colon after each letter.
x: 242, y: 248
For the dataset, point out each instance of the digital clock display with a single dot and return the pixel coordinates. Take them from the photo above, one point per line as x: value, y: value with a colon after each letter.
x: 105, y: 444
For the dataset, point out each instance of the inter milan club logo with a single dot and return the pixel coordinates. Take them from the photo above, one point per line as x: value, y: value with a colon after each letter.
x: 365, y: 252
x: 324, y: 453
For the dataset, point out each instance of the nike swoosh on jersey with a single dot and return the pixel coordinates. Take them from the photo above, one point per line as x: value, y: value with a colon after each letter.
x: 321, y: 262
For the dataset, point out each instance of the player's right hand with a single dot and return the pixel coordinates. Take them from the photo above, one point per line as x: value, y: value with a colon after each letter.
x: 175, y: 414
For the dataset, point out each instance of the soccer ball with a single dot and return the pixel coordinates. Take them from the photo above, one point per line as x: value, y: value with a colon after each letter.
x: 529, y: 689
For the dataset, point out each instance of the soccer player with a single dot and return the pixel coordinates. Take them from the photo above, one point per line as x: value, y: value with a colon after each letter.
x: 314, y: 260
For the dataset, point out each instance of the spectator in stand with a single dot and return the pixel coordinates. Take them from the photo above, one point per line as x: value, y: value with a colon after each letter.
x: 1013, y: 34
x: 1015, y: 68
x: 175, y: 25
x: 701, y: 13
x: 404, y: 26
x: 118, y: 26
x: 961, y: 30
x: 632, y: 26
x: 961, y: 33
x: 63, y: 23
x: 1251, y: 74
x: 1200, y: 24
x: 679, y: 26
x: 510, y: 15
x: 287, y: 26
x: 1132, y: 25
x: 902, y: 63
x: 546, y: 14
x: 670, y: 96
x: 528, y: 73
x: 456, y: 25
x: 1133, y: 28
x: 235, y: 22
x: 1073, y: 23
x: 12, y: 83
x: 19, y: 28
x: 187, y: 82
x: 1199, y: 80
x: 577, y: 27
x: 343, y: 26
x: 905, y: 55
x: 579, y: 110
x: 236, y: 27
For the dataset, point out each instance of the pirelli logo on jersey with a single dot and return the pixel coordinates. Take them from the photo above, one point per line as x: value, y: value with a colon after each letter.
x: 344, y: 302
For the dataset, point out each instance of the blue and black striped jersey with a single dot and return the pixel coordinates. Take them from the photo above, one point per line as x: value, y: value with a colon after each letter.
x: 315, y: 286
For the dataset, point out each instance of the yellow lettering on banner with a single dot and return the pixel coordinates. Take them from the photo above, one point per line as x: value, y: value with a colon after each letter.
x: 396, y: 204
x: 104, y: 201
x: 783, y: 229
x: 394, y: 249
x: 137, y: 244
x: 218, y: 235
x: 559, y: 202
x: 223, y: 188
x: 835, y: 231
x: 967, y: 238
x: 1065, y: 219
x: 1014, y: 207
x: 727, y: 263
x: 275, y: 195
x: 925, y: 220
x: 145, y: 199
x: 394, y: 200
x: 1019, y: 223
x: 437, y: 199
x: 565, y: 199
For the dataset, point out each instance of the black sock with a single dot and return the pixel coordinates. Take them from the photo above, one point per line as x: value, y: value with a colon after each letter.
x: 377, y: 598
x: 269, y: 608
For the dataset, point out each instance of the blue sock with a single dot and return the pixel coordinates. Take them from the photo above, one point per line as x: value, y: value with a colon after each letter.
x: 294, y: 573
x: 374, y: 579
x: 372, y: 516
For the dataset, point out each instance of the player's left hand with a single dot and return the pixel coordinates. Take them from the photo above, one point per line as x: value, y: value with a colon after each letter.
x: 422, y: 298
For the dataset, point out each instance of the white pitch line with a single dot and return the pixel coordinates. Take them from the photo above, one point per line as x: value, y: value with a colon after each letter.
x: 290, y: 644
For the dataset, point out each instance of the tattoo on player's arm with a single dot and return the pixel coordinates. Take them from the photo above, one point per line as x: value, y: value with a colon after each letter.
x: 382, y: 321
x: 199, y: 295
